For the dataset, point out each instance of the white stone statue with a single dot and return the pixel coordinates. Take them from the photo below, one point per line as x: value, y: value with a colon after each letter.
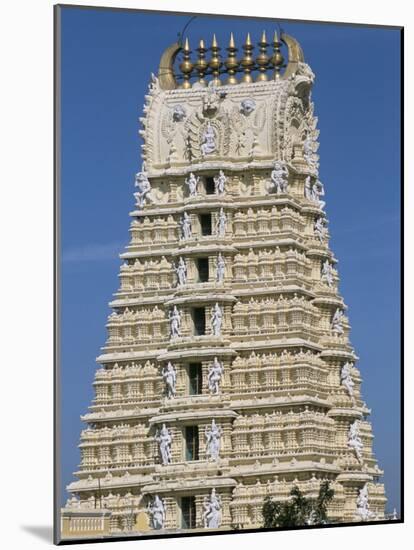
x: 337, y: 320
x: 363, y: 505
x: 308, y: 188
x: 354, y: 439
x: 169, y: 375
x: 318, y: 191
x: 164, y: 439
x: 212, y: 511
x: 320, y: 228
x: 221, y: 223
x: 279, y: 177
x: 186, y: 226
x: 220, y: 183
x: 216, y: 320
x: 346, y: 378
x: 156, y: 511
x: 220, y: 268
x: 247, y: 106
x: 309, y: 154
x: 143, y: 185
x: 213, y: 443
x: 192, y: 183
x: 181, y: 270
x: 208, y: 141
x: 215, y: 374
x: 175, y: 322
x: 327, y: 273
x: 178, y: 113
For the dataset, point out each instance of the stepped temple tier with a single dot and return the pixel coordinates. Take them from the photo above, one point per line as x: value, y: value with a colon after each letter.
x: 228, y: 374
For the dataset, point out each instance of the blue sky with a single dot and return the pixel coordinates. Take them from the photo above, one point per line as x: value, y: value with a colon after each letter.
x: 107, y: 58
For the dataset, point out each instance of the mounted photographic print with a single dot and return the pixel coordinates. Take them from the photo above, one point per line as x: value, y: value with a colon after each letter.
x: 228, y: 205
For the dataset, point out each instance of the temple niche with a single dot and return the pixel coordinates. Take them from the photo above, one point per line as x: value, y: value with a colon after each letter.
x: 228, y: 374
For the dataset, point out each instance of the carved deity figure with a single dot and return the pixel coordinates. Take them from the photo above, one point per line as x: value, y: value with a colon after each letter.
x: 220, y: 268
x: 216, y: 320
x: 169, y: 375
x: 247, y: 106
x: 309, y: 154
x: 213, y: 443
x: 156, y: 512
x: 346, y: 378
x: 354, y: 439
x: 212, y: 511
x: 164, y: 439
x: 220, y: 183
x: 327, y: 273
x: 363, y: 505
x: 178, y: 113
x: 221, y: 223
x: 175, y: 322
x: 320, y: 228
x: 192, y: 183
x: 186, y: 226
x: 318, y: 191
x: 215, y: 374
x: 337, y: 320
x: 208, y: 141
x: 181, y: 270
x: 143, y: 185
x: 279, y: 177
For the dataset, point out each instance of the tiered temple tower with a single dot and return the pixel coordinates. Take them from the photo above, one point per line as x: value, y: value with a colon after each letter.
x: 227, y: 374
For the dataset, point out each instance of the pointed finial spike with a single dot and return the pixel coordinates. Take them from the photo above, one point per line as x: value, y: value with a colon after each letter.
x: 248, y: 40
x: 263, y: 37
x: 187, y: 45
x: 201, y: 44
x: 214, y: 44
x: 275, y: 38
x: 231, y: 43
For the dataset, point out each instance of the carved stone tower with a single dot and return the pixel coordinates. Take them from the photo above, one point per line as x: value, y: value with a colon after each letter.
x: 228, y: 374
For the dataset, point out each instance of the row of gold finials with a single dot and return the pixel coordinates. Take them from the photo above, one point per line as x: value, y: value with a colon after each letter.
x: 231, y: 65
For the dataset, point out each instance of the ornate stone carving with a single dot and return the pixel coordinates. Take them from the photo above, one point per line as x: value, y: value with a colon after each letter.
x: 327, y: 273
x: 192, y: 183
x: 212, y: 511
x: 220, y: 268
x: 157, y: 512
x: 220, y: 183
x: 216, y: 320
x: 215, y: 374
x: 208, y: 140
x: 164, y: 439
x: 337, y: 320
x: 181, y: 271
x: 247, y: 106
x: 346, y: 378
x: 213, y: 443
x: 221, y: 223
x: 185, y: 226
x: 279, y: 177
x: 320, y: 228
x: 354, y: 439
x: 169, y: 375
x: 178, y: 113
x: 175, y: 322
x: 363, y: 510
x: 143, y: 185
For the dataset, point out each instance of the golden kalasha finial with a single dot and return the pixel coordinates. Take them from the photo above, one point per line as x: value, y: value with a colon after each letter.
x: 277, y: 58
x: 201, y: 64
x: 247, y: 61
x: 186, y: 66
x: 215, y: 62
x: 262, y: 59
x: 231, y: 61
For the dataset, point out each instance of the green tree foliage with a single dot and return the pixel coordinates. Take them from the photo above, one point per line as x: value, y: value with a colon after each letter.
x: 298, y: 510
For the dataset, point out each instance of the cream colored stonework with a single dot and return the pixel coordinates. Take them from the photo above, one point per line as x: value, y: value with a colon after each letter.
x: 284, y: 413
